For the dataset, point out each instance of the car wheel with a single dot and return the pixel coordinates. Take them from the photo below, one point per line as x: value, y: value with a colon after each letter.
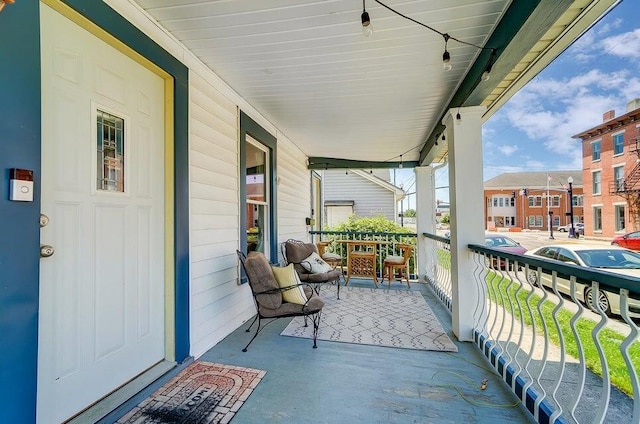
x: 562, y: 230
x: 603, y: 301
x: 532, y: 277
x: 613, y: 243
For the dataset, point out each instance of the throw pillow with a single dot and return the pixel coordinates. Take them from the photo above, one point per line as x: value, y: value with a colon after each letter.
x: 287, y: 276
x: 315, y: 265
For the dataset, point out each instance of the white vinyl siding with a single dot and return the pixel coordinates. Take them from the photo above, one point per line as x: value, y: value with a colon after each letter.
x: 294, y: 192
x: 370, y: 199
x: 218, y: 304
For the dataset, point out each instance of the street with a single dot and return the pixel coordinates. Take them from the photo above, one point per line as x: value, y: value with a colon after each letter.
x: 534, y: 239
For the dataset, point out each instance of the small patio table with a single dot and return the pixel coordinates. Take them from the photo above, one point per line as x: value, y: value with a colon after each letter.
x: 362, y: 262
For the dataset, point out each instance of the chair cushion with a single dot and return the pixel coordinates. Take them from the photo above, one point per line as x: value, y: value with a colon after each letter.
x: 314, y: 305
x: 287, y: 276
x: 394, y: 259
x: 315, y: 265
x: 296, y: 252
x: 262, y: 279
x: 331, y: 257
x: 323, y: 277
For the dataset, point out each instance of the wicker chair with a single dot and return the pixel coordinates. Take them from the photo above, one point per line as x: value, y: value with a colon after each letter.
x: 268, y: 296
x: 295, y: 252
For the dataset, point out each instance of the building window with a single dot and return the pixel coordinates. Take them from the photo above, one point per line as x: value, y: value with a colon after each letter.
x: 532, y: 221
x: 535, y: 201
x: 619, y: 217
x: 489, y: 202
x: 555, y: 201
x: 597, y: 182
x: 618, y: 178
x: 618, y: 144
x: 258, y: 226
x: 495, y: 202
x: 578, y: 200
x: 597, y: 218
x: 531, y: 200
x: 512, y: 202
x: 595, y: 150
x: 538, y: 220
x: 556, y: 220
x: 500, y: 202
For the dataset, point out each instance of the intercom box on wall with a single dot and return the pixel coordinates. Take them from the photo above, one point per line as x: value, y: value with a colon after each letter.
x: 20, y: 185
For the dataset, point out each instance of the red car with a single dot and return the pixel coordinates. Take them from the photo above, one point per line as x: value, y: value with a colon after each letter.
x: 629, y: 240
x: 507, y: 244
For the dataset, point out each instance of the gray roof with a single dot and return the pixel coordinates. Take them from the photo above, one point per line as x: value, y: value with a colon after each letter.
x: 518, y: 180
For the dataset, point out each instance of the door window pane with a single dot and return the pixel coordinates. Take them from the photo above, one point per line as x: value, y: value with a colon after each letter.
x: 110, y: 146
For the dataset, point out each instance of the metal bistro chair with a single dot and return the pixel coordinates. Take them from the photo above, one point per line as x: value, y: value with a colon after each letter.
x: 296, y: 252
x: 268, y: 296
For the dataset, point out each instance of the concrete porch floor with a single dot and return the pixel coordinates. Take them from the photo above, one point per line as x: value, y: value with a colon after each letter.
x: 350, y: 383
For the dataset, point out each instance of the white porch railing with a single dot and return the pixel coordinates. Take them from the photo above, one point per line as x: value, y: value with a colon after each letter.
x: 567, y: 362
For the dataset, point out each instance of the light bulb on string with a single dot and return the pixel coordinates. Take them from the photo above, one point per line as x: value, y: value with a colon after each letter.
x: 367, y: 29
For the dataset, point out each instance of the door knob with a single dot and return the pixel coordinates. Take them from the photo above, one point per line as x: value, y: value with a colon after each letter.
x: 46, y: 251
x: 44, y: 220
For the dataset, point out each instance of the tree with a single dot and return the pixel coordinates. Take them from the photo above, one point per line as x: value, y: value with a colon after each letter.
x: 445, y: 219
x: 410, y: 213
x: 376, y: 224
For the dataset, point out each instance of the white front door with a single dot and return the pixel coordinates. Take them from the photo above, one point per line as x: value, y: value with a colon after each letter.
x: 101, y: 317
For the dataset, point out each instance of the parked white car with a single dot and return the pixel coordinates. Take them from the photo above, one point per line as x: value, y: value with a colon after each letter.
x: 606, y: 258
x: 578, y: 227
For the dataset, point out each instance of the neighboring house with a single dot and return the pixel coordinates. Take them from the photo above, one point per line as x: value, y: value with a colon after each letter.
x: 611, y: 174
x: 359, y: 192
x: 519, y: 199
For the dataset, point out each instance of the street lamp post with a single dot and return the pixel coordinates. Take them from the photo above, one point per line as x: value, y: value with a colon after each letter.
x: 572, y: 231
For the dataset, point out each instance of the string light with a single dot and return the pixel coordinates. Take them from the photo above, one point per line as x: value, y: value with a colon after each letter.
x: 458, y: 118
x: 487, y: 71
x: 400, y: 166
x: 367, y: 29
x: 446, y: 56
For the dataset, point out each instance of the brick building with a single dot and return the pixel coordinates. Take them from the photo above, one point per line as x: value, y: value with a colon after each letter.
x: 611, y: 173
x: 518, y: 200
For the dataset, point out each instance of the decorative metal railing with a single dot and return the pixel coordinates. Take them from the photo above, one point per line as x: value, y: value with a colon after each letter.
x: 389, y: 248
x: 438, y: 267
x: 567, y: 361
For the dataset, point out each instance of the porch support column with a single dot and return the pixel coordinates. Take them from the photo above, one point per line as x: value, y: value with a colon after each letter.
x: 466, y: 198
x: 425, y: 219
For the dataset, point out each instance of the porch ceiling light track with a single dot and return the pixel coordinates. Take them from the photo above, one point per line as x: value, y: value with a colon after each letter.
x: 3, y: 3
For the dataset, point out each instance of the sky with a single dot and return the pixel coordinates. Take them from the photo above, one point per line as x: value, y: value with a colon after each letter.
x: 532, y: 131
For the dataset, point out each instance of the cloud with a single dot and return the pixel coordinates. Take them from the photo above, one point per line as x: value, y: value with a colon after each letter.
x: 623, y: 45
x: 508, y: 150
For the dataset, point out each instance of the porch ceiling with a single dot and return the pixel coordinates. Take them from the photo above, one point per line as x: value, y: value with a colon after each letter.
x: 306, y: 66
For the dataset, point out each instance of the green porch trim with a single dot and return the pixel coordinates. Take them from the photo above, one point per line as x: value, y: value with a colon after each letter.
x: 334, y: 163
x: 255, y: 130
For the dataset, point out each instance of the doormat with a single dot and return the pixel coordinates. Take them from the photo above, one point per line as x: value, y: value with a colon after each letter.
x: 202, y: 393
x: 379, y: 317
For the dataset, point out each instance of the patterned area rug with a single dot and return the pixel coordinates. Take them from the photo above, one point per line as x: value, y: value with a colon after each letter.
x: 394, y: 318
x: 202, y: 393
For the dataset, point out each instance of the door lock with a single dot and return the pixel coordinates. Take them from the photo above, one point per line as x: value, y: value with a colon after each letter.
x: 44, y: 220
x: 46, y: 251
